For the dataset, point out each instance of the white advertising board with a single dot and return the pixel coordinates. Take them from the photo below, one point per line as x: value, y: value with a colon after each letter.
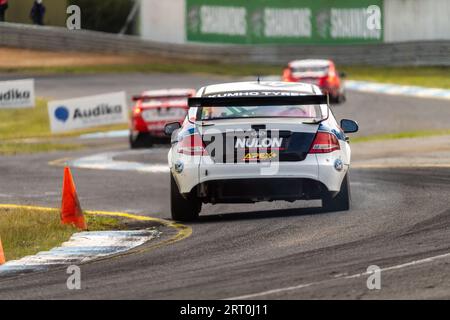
x: 88, y: 112
x: 17, y: 94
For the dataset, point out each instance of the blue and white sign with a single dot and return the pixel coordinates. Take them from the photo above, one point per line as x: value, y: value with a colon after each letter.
x: 17, y: 94
x: 88, y: 112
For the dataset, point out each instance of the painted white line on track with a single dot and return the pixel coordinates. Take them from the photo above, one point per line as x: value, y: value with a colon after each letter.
x: 383, y: 88
x: 401, y: 166
x: 106, y: 135
x: 82, y: 247
x: 342, y: 277
x: 3, y: 195
x: 105, y: 161
x: 396, y: 89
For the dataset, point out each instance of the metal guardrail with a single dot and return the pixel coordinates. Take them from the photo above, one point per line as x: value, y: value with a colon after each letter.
x: 432, y: 53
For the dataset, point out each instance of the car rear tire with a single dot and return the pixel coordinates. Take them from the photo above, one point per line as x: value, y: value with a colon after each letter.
x: 141, y: 141
x: 342, y: 201
x: 183, y: 209
x: 342, y: 99
x: 338, y: 99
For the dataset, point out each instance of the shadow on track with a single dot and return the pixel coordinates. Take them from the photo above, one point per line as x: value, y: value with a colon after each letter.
x: 257, y: 215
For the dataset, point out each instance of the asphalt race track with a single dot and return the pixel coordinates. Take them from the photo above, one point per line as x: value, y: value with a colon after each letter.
x: 377, y: 114
x: 400, y: 220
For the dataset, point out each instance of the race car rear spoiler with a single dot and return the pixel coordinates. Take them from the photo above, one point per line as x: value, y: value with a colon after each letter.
x: 258, y: 101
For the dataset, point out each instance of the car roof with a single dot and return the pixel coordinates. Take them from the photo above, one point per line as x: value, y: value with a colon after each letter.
x: 309, y: 63
x: 259, y: 86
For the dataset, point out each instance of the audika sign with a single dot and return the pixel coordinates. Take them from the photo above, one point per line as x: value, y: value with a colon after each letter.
x: 88, y: 112
x: 17, y: 94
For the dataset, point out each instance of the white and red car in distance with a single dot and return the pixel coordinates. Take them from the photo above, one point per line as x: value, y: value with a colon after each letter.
x: 153, y: 110
x: 322, y: 73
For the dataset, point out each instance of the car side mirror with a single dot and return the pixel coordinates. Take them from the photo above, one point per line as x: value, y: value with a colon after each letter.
x: 349, y: 126
x: 342, y: 74
x: 170, y: 128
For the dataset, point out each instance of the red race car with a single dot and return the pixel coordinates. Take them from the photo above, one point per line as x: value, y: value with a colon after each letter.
x: 153, y: 110
x: 322, y: 73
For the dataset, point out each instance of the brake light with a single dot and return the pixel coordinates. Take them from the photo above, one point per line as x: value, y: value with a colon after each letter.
x: 325, y: 142
x: 192, y: 145
x: 323, y: 81
x: 333, y: 80
x: 137, y: 111
x: 329, y: 80
x: 287, y: 75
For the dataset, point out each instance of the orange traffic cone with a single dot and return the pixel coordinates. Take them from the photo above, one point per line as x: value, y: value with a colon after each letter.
x: 71, y: 212
x: 2, y: 254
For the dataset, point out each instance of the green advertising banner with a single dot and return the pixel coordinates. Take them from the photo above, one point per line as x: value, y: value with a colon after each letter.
x: 285, y: 21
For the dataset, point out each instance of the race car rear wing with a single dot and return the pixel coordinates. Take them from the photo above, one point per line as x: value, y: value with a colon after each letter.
x: 269, y: 101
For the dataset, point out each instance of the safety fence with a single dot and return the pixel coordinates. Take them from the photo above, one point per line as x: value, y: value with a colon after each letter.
x: 60, y: 39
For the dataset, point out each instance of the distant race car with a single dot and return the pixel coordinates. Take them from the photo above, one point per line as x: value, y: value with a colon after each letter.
x: 258, y: 141
x: 153, y: 110
x: 322, y: 73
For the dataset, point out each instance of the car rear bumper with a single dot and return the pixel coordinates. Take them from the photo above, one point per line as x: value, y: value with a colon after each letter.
x: 202, y: 173
x: 154, y: 128
x: 334, y: 92
x: 261, y: 189
x: 152, y: 134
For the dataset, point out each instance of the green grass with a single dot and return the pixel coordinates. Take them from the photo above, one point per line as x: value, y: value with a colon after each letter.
x: 27, y: 232
x: 28, y: 131
x: 34, y: 123
x: 158, y: 67
x: 17, y: 125
x: 402, y: 135
x: 421, y: 76
x: 25, y: 123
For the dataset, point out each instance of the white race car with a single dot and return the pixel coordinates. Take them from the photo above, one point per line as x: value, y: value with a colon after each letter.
x: 259, y: 141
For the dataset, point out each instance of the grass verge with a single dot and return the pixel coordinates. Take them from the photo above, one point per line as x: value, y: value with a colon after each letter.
x: 26, y: 231
x: 28, y: 131
x: 402, y: 135
x: 418, y: 75
x: 34, y: 123
x: 157, y: 66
